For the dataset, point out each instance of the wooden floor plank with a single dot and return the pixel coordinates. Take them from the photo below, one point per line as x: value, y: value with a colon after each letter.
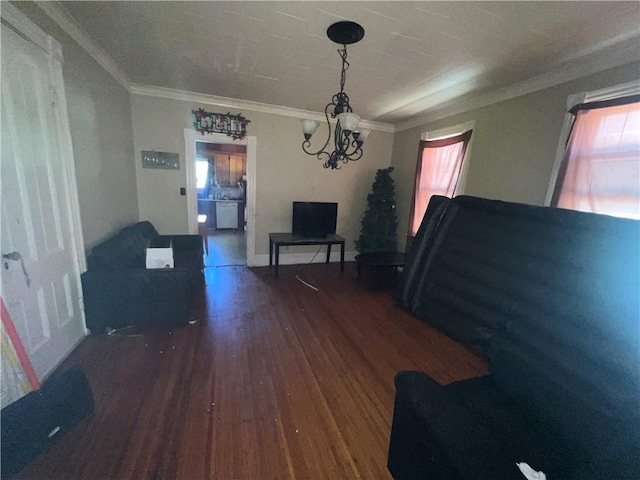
x: 276, y: 380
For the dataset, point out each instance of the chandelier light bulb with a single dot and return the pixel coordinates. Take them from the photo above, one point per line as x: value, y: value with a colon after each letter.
x: 348, y: 121
x: 309, y: 127
x: 363, y: 134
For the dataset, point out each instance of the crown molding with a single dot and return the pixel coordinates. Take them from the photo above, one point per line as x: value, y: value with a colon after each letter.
x: 617, y: 91
x: 20, y: 23
x: 555, y: 77
x: 82, y: 38
x: 227, y: 102
x: 546, y: 80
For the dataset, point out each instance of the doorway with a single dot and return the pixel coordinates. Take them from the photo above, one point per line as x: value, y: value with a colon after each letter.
x: 221, y: 185
x: 192, y: 137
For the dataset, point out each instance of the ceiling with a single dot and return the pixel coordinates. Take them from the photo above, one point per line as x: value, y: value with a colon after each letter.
x: 416, y: 57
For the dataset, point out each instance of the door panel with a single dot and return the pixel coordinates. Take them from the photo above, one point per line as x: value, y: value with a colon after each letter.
x: 40, y: 283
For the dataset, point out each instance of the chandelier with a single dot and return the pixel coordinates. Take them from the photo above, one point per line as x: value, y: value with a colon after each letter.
x: 347, y: 141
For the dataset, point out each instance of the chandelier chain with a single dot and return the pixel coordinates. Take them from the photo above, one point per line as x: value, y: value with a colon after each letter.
x: 345, y: 67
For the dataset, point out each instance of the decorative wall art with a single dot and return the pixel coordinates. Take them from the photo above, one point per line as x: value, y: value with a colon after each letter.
x: 234, y: 126
x: 168, y: 161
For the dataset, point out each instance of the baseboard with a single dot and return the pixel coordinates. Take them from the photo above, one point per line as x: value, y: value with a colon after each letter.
x: 302, y: 258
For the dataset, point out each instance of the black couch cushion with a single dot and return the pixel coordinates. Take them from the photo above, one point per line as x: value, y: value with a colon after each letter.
x: 125, y: 250
x: 418, y: 260
x: 552, y: 297
x: 571, y: 351
x: 494, y: 262
x: 471, y: 430
x: 583, y: 379
x: 468, y: 430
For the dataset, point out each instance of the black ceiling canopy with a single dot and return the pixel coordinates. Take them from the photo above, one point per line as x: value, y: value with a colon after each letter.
x: 345, y: 33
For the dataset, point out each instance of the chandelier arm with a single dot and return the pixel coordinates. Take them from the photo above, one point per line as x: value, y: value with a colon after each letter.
x: 307, y: 143
x: 345, y: 144
x: 326, y: 116
x: 357, y: 146
x: 338, y: 140
x: 353, y: 155
x: 332, y: 161
x: 324, y: 156
x: 356, y: 155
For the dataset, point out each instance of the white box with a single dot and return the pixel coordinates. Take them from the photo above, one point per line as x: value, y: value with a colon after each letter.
x: 160, y: 257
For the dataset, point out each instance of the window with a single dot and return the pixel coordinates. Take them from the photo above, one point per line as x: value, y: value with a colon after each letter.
x: 202, y: 171
x: 600, y: 167
x: 439, y: 171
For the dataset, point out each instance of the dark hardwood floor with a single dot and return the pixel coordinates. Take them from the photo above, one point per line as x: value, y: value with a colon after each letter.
x: 276, y: 380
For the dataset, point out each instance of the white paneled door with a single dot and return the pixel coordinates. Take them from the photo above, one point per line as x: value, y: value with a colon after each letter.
x: 39, y: 237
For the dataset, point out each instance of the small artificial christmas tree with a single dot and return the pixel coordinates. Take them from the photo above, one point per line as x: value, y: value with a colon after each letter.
x: 379, y: 224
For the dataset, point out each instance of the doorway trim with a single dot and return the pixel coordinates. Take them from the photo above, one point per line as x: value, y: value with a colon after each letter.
x: 190, y: 138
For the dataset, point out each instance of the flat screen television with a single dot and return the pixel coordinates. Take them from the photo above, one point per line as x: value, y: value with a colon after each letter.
x: 314, y: 219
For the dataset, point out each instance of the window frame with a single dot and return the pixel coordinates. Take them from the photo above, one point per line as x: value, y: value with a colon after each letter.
x: 439, y: 134
x: 609, y: 93
x: 206, y: 160
x: 452, y: 131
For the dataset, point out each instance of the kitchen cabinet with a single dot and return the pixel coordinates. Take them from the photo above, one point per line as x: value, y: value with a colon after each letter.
x: 237, y: 168
x: 222, y: 170
x: 208, y: 208
x: 229, y: 169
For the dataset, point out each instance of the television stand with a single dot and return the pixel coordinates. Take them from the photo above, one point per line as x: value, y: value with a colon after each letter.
x: 278, y: 240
